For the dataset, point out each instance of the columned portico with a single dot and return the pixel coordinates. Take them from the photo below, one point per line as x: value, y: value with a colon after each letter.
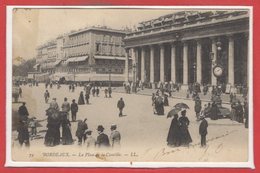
x: 185, y: 63
x: 173, y: 64
x: 126, y: 65
x: 143, y: 64
x: 231, y: 60
x: 151, y: 63
x: 198, y: 63
x: 162, y: 63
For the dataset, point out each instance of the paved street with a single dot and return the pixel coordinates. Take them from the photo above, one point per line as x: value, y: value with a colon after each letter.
x: 141, y: 130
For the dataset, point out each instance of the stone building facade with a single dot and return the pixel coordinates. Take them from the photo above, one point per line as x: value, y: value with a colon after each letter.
x: 90, y: 54
x: 208, y: 47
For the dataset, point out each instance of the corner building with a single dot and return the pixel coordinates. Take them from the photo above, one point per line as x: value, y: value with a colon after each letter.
x: 186, y: 46
x: 93, y: 54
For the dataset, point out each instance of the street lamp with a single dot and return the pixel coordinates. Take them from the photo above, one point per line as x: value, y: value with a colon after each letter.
x: 194, y: 68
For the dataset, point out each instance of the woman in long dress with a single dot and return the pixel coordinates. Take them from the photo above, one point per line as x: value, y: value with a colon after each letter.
x: 52, y: 136
x: 173, y: 138
x: 184, y: 131
x: 66, y: 133
x: 81, y: 99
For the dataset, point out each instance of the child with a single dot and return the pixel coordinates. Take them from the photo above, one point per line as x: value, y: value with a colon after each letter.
x: 90, y: 141
x: 32, y: 125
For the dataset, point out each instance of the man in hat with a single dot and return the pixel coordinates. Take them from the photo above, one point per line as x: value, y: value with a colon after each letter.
x: 65, y: 107
x: 74, y: 109
x: 23, y: 112
x: 197, y: 107
x: 54, y: 104
x: 46, y: 96
x: 90, y: 141
x: 120, y: 106
x: 102, y: 139
x: 115, y: 136
x: 203, y: 131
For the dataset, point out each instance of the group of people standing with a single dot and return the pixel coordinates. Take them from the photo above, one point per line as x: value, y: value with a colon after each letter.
x: 159, y: 100
x: 179, y: 134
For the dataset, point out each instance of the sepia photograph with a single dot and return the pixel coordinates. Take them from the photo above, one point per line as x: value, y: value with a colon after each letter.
x: 130, y: 86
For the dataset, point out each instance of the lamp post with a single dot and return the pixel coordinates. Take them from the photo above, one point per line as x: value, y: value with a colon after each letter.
x: 194, y: 68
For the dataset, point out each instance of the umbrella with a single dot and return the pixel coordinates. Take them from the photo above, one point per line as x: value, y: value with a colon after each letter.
x: 173, y: 112
x: 182, y: 106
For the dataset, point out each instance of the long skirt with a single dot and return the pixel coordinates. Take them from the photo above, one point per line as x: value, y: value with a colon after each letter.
x: 185, y: 136
x: 66, y: 136
x: 52, y: 136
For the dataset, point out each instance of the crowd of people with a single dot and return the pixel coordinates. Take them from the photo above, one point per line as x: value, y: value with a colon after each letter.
x: 178, y: 135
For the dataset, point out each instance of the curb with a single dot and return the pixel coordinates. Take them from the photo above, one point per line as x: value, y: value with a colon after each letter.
x: 175, y: 97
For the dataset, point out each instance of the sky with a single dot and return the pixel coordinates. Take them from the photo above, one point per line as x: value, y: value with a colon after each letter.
x: 32, y: 27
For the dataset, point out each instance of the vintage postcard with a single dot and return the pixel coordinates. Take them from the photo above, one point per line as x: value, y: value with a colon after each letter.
x: 111, y: 86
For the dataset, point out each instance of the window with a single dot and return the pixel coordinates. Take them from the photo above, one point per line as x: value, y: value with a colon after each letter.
x: 97, y: 47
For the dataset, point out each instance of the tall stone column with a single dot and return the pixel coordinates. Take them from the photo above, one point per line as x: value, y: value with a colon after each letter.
x: 152, y: 64
x: 198, y: 63
x: 214, y: 59
x: 173, y: 63
x: 185, y: 63
x: 135, y: 63
x: 231, y: 70
x: 143, y: 64
x: 126, y: 66
x: 162, y: 63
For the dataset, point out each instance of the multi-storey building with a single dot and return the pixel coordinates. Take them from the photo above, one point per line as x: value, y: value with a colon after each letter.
x: 90, y: 54
x: 208, y: 47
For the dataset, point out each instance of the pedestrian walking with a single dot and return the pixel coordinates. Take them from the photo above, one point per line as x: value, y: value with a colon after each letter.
x: 90, y: 141
x: 32, y: 125
x: 110, y: 91
x: 203, y: 131
x: 165, y: 100
x: 46, y: 96
x: 23, y: 112
x: 73, y: 88
x: 115, y: 137
x: 65, y: 107
x: 97, y: 91
x: 87, y: 96
x: 20, y: 92
x: 106, y: 91
x: 81, y: 99
x: 80, y: 133
x: 173, y: 138
x: 197, y: 107
x: 120, y: 106
x: 54, y: 105
x: 74, y: 109
x: 240, y: 113
x: 102, y: 139
x: 66, y: 132
x: 184, y: 131
x: 23, y: 133
x: 93, y: 91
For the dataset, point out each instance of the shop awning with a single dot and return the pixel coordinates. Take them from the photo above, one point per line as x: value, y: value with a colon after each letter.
x: 110, y: 57
x: 77, y: 59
